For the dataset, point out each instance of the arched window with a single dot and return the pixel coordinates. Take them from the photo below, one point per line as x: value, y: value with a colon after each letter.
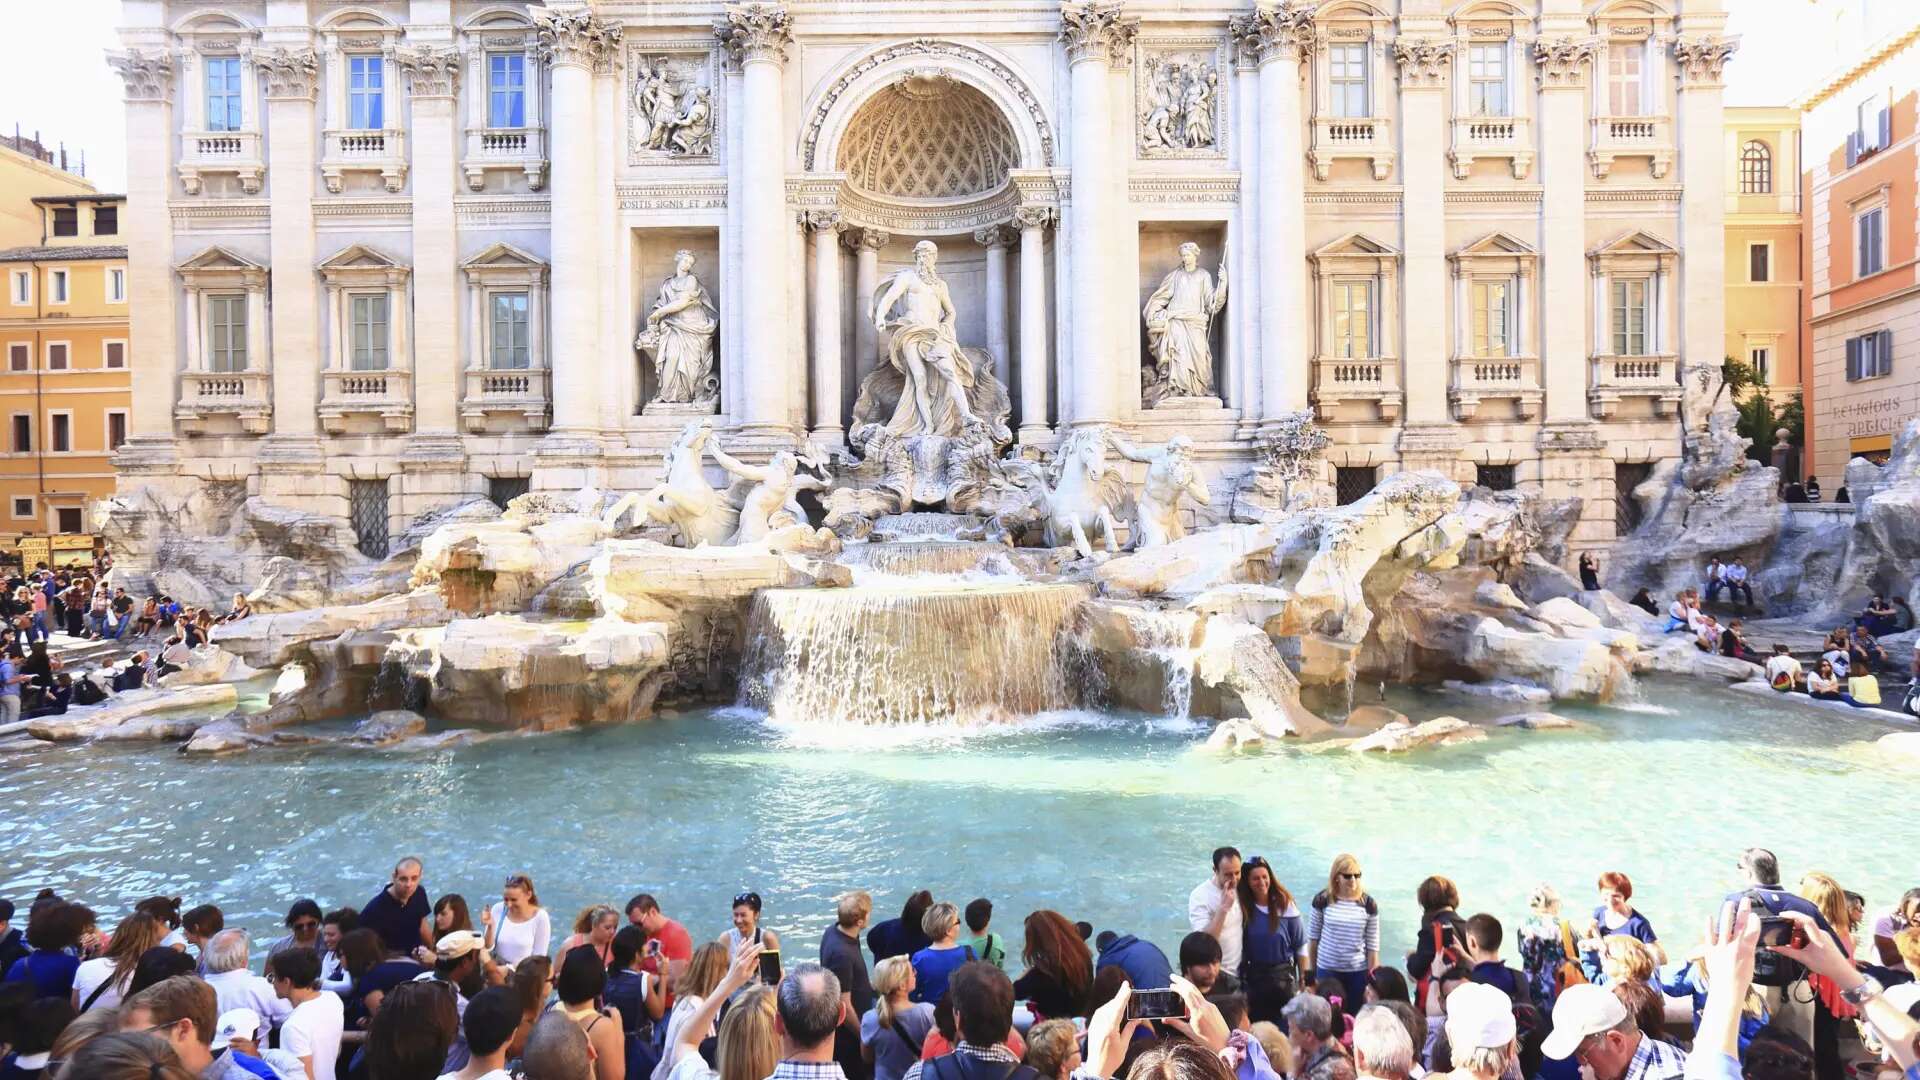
x: 1756, y: 169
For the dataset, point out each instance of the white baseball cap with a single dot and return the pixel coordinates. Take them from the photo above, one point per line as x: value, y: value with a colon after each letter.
x: 1479, y: 1016
x: 235, y: 1023
x: 1582, y: 1010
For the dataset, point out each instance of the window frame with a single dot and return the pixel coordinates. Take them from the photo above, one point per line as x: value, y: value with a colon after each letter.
x: 367, y: 102
x: 62, y: 296
x: 1479, y: 344
x: 1475, y: 81
x: 106, y: 354
x: 1877, y: 212
x: 513, y: 63
x: 1617, y: 80
x: 66, y: 356
x: 17, y: 296
x: 525, y: 324
x: 13, y: 435
x: 53, y: 525
x: 20, y: 348
x: 1877, y: 342
x: 235, y: 332
x: 52, y: 442
x: 1369, y: 289
x: 115, y: 274
x: 110, y: 209
x: 13, y: 508
x: 232, y: 97
x: 53, y: 219
x: 1760, y: 359
x: 1765, y: 247
x: 382, y: 347
x: 1620, y: 335
x: 1338, y: 83
x: 107, y: 418
x: 1756, y: 167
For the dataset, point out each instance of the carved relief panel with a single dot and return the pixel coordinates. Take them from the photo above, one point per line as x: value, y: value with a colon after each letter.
x: 1180, y: 98
x: 674, y: 98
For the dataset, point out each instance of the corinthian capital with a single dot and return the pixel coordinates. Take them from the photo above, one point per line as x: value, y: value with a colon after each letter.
x: 1423, y: 61
x: 577, y: 38
x: 825, y: 221
x: 148, y: 75
x: 1700, y: 60
x: 1097, y: 29
x: 432, y: 72
x: 756, y: 31
x: 1563, y: 62
x: 291, y: 73
x: 1274, y: 31
x: 1034, y: 216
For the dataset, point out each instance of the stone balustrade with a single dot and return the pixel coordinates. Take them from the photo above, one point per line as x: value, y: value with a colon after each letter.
x: 494, y: 399
x: 1340, y: 383
x: 209, y: 153
x: 209, y: 397
x: 1615, y: 378
x: 385, y: 395
x: 1650, y: 137
x: 374, y: 150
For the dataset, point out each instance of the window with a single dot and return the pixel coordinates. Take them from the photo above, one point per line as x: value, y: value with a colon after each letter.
x: 509, y: 331
x: 1627, y: 513
x: 1347, y: 65
x: 368, y: 332
x: 1872, y: 128
x: 116, y: 285
x: 1353, y: 319
x: 1756, y: 168
x: 1760, y: 359
x: 1759, y: 256
x: 1870, y: 356
x: 116, y: 429
x: 1492, y: 318
x: 502, y: 490
x: 1494, y: 477
x: 226, y: 333
x: 1351, y: 483
x: 21, y: 289
x: 1626, y: 68
x: 22, y: 433
x: 114, y: 355
x: 506, y: 90
x: 23, y: 506
x: 1869, y: 242
x: 60, y: 425
x: 1630, y: 317
x: 1487, y: 79
x: 57, y: 359
x: 223, y: 93
x: 66, y: 221
x: 57, y: 286
x: 67, y: 519
x: 367, y: 509
x: 106, y: 220
x: 365, y: 92
x: 19, y: 357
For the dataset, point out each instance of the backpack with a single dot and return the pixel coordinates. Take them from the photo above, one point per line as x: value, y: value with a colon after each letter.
x: 1769, y: 967
x: 1441, y: 951
x: 954, y: 1066
x: 1569, y: 972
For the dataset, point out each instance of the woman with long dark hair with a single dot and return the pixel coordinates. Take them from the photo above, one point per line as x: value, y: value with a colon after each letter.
x: 408, y: 1038
x: 100, y: 983
x: 1059, y: 968
x: 1273, y: 948
x: 902, y: 936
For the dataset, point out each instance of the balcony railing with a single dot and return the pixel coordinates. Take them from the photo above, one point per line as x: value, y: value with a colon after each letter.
x: 206, y: 397
x: 1347, y: 381
x: 208, y: 153
x: 1476, y: 137
x: 1477, y: 379
x: 1614, y: 137
x: 387, y: 395
x: 1617, y: 378
x: 349, y: 150
x: 519, y: 149
x: 496, y: 397
x: 1336, y: 137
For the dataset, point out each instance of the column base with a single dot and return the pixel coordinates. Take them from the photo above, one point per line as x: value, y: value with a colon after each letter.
x: 433, y: 451
x: 829, y: 438
x: 568, y: 460
x: 1569, y: 436
x: 147, y: 455
x: 761, y: 436
x: 290, y: 455
x: 1432, y: 447
x: 1035, y: 434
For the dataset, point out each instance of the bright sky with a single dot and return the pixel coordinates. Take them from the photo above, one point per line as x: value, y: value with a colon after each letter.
x: 53, y: 77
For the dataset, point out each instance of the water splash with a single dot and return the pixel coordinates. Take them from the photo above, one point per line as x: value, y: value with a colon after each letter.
x: 936, y: 651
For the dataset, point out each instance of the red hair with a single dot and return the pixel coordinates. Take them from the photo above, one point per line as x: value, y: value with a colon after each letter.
x: 1615, y: 881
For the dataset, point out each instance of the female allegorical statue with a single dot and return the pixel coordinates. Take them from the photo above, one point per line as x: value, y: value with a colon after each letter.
x: 679, y: 333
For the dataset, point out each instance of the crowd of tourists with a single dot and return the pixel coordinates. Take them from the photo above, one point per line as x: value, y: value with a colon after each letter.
x: 1268, y: 984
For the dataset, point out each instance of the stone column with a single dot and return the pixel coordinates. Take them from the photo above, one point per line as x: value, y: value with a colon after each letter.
x: 1033, y: 222
x: 1561, y: 134
x: 1243, y: 355
x: 434, y: 74
x: 571, y: 42
x: 995, y: 239
x: 1702, y: 295
x: 758, y: 34
x: 866, y: 244
x: 1096, y: 37
x: 1279, y: 34
x: 293, y: 450
x: 152, y: 289
x: 828, y: 431
x: 1423, y: 80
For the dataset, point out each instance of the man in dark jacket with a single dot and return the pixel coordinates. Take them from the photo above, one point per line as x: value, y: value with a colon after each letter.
x: 1146, y: 966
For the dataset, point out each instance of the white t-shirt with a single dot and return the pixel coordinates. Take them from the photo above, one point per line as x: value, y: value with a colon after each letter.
x: 1206, y: 899
x: 88, y: 979
x: 313, y: 1030
x: 1780, y: 664
x: 1839, y: 659
x: 497, y: 1074
x: 515, y: 941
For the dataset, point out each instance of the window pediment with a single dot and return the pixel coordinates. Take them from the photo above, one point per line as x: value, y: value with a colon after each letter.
x: 217, y: 267
x: 361, y: 265
x: 504, y: 264
x: 1355, y: 252
x: 1636, y: 250
x: 1495, y: 253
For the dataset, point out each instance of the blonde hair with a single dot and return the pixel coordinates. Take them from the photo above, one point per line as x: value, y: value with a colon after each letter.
x: 588, y: 917
x: 1344, y: 863
x: 1275, y: 1042
x: 890, y: 976
x: 1826, y: 894
x: 1908, y: 942
x: 1627, y: 958
x: 127, y: 1055
x: 704, y: 972
x: 1049, y: 1044
x: 521, y: 881
x: 749, y: 1049
x: 939, y: 920
x: 853, y: 907
x: 1543, y: 900
x: 136, y: 934
x: 85, y: 1028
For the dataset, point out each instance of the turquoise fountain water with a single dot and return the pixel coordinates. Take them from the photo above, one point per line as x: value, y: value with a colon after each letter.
x: 1108, y: 818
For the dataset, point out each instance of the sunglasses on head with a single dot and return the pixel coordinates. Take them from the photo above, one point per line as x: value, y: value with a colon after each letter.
x: 750, y: 899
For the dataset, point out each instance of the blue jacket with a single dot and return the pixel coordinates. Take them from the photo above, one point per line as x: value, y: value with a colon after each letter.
x: 1146, y: 966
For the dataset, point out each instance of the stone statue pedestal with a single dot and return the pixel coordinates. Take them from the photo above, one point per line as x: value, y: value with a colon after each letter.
x: 681, y: 408
x: 1183, y: 402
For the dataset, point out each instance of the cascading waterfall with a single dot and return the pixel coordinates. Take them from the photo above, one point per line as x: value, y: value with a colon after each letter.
x: 928, y: 651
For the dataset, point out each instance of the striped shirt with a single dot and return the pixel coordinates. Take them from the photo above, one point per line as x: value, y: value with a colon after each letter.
x: 1343, y: 934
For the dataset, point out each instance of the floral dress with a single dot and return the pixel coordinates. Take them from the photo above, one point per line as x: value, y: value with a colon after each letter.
x: 1543, y: 948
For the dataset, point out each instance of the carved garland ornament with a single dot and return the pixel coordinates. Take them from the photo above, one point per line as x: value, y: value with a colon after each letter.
x: 1270, y: 33
x: 576, y: 37
x: 291, y: 73
x: 810, y: 138
x: 756, y: 32
x: 148, y: 75
x: 1423, y: 62
x: 430, y: 72
x: 1563, y: 62
x: 1701, y: 59
x: 1097, y: 28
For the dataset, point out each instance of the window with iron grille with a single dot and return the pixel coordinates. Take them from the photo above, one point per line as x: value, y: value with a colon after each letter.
x: 1352, y: 482
x: 1494, y: 477
x: 1628, y: 475
x: 367, y: 507
x: 66, y: 221
x: 502, y: 490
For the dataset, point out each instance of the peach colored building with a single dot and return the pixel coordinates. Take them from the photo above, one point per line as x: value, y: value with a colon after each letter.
x: 1764, y: 283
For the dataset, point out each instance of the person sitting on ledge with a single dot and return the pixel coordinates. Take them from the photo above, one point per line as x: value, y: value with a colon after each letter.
x: 1738, y: 590
x: 1589, y: 571
x: 1679, y: 615
x: 1824, y: 685
x: 1813, y: 489
x: 1716, y: 578
x: 1866, y: 642
x: 1784, y: 673
x: 1838, y: 654
x: 1644, y: 601
x: 1707, y: 637
x: 1878, y: 617
x: 1733, y: 642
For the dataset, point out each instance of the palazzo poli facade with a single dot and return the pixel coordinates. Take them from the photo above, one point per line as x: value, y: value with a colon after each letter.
x: 392, y: 254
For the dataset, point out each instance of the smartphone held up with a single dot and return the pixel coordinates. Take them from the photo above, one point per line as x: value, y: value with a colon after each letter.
x: 1156, y: 1005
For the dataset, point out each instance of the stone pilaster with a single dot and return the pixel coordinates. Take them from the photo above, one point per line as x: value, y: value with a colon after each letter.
x: 866, y: 245
x: 1033, y: 222
x: 828, y: 430
x: 1562, y: 134
x: 1702, y: 308
x: 1095, y: 36
x: 152, y: 291
x: 996, y: 239
x: 1278, y: 35
x: 1423, y: 176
